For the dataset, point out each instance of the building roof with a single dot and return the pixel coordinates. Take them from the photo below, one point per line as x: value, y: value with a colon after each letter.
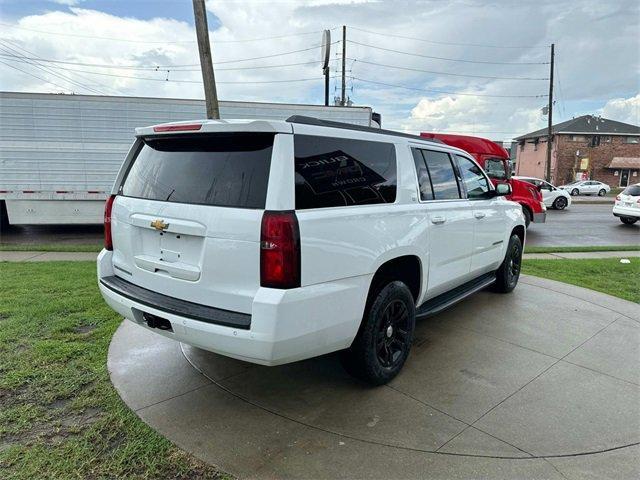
x: 587, y: 124
x: 625, y: 162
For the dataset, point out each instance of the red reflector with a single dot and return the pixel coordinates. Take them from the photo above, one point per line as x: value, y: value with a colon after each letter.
x: 178, y: 128
x: 62, y: 191
x: 280, y: 250
x: 108, y: 241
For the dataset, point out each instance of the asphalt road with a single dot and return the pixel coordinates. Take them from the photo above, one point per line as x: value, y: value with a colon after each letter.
x: 581, y: 224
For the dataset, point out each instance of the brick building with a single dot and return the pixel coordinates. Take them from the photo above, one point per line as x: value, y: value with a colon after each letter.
x: 586, y: 147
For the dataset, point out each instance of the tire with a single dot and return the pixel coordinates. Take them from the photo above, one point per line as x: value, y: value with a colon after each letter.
x: 560, y: 203
x: 527, y: 217
x: 602, y: 192
x: 508, y: 273
x: 628, y: 220
x: 383, y: 343
x: 575, y: 192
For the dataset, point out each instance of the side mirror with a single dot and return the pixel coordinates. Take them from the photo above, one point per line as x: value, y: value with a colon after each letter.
x: 503, y: 189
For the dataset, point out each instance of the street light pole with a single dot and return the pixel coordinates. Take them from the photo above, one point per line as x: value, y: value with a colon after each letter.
x: 550, y: 119
x: 206, y: 63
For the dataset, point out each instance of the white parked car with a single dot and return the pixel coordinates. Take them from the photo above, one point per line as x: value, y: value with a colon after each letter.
x: 553, y: 197
x: 627, y: 206
x: 587, y: 187
x: 276, y: 241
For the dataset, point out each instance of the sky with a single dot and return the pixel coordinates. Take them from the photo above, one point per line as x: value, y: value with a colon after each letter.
x: 458, y: 66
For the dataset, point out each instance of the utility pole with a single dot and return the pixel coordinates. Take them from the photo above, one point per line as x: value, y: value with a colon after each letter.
x: 550, y: 119
x: 343, y: 100
x: 206, y: 63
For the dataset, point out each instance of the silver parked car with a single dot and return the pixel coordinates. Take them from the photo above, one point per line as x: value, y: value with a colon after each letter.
x: 586, y: 187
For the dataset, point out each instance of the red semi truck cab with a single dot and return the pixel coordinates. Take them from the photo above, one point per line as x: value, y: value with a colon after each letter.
x: 496, y: 162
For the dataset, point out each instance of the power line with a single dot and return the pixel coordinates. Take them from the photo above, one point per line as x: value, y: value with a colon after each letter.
x: 491, y: 77
x: 445, y: 58
x: 164, y: 42
x: 444, y: 92
x: 48, y: 70
x: 166, y: 67
x: 34, y: 76
x: 16, y: 46
x: 448, y: 43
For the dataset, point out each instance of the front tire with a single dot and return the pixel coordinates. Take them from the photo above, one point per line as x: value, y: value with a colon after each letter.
x: 384, y: 340
x: 560, y: 203
x: 575, y: 192
x: 628, y: 220
x: 508, y: 273
x: 602, y: 193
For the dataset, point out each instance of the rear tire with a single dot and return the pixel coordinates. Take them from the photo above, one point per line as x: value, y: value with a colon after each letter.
x: 384, y: 340
x: 527, y: 217
x: 575, y: 192
x: 508, y: 273
x: 602, y: 193
x: 560, y: 203
x: 628, y: 220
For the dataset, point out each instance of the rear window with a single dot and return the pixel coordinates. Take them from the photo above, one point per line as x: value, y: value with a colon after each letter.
x: 339, y: 172
x: 632, y: 190
x: 227, y: 170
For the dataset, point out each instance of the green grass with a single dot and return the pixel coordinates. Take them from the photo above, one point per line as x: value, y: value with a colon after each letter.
x: 605, y: 275
x: 50, y: 247
x: 60, y: 417
x: 606, y: 248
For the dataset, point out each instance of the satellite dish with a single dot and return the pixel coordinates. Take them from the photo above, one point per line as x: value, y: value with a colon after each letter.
x: 326, y: 48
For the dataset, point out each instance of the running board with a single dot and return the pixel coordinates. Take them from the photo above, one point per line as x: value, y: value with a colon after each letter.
x: 445, y: 300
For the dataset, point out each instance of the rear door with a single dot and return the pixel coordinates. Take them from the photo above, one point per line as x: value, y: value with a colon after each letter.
x: 186, y: 221
x: 488, y: 212
x: 451, y: 220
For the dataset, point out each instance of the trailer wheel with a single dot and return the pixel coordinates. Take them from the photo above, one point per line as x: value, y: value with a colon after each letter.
x: 4, y: 216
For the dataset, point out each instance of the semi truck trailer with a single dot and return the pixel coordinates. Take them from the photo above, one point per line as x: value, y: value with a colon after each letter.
x: 59, y: 154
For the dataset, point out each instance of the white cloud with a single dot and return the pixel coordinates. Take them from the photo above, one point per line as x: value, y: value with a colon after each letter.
x: 596, y: 44
x: 622, y: 109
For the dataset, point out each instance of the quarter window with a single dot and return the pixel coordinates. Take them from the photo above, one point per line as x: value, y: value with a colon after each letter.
x: 424, y: 181
x: 339, y: 172
x: 442, y: 173
x: 474, y: 180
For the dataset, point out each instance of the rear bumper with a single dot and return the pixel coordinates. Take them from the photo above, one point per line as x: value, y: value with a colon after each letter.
x: 626, y: 212
x: 285, y: 325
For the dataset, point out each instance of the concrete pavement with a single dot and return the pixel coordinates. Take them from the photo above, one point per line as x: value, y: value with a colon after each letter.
x: 541, y: 383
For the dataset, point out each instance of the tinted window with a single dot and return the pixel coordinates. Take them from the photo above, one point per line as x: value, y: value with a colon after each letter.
x: 230, y: 170
x: 632, y: 190
x: 495, y: 168
x: 443, y: 178
x: 338, y: 172
x: 426, y: 192
x: 474, y: 180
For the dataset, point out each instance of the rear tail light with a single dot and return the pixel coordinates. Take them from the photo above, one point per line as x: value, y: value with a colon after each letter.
x: 280, y: 250
x: 108, y: 241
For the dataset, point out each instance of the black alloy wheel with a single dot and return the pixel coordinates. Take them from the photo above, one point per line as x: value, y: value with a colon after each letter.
x: 602, y: 192
x: 560, y: 203
x: 514, y: 264
x: 575, y: 192
x: 392, y: 337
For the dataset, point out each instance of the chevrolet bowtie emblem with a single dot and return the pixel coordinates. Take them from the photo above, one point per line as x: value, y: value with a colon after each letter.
x: 159, y: 225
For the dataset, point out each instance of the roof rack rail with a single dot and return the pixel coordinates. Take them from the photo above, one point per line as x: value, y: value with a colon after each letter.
x: 304, y: 120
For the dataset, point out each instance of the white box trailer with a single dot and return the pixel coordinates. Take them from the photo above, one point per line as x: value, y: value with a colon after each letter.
x: 59, y: 154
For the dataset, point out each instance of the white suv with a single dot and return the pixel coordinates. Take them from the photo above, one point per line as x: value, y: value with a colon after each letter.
x: 276, y: 241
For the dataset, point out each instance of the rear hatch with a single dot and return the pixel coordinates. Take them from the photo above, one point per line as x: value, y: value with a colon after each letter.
x: 186, y: 221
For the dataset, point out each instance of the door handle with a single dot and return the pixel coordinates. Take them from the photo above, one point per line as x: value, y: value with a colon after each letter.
x: 479, y: 215
x: 438, y: 219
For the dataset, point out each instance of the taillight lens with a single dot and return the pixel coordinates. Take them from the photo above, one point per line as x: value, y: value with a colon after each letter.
x: 108, y: 241
x: 280, y: 250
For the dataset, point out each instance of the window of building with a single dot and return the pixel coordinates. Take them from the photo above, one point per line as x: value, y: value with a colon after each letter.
x: 631, y: 139
x: 605, y: 138
x: 339, y: 172
x: 474, y: 180
x: 577, y: 138
x: 443, y: 176
x: 595, y: 140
